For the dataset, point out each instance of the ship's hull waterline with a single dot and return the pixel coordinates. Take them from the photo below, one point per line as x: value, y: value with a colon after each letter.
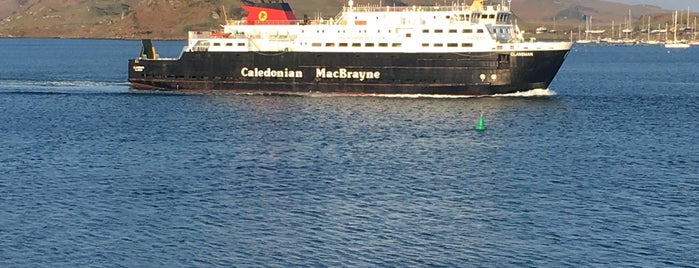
x: 469, y: 73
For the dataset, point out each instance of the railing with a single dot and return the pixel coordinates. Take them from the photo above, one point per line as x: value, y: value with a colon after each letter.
x: 421, y: 8
x: 320, y: 21
x: 213, y: 34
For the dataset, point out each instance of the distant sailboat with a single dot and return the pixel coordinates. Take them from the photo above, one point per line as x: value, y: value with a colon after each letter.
x: 554, y: 26
x: 694, y: 34
x: 674, y: 43
x: 589, y: 31
x: 650, y: 41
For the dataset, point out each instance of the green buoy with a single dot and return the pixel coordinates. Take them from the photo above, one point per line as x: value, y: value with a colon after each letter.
x: 481, y: 123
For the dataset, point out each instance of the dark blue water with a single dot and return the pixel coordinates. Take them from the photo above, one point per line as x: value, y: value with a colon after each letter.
x: 601, y: 172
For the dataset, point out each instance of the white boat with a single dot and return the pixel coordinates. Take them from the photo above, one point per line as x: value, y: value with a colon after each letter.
x: 588, y: 31
x: 675, y: 43
x: 596, y: 31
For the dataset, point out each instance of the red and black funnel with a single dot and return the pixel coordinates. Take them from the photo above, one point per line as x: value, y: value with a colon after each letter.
x: 268, y: 12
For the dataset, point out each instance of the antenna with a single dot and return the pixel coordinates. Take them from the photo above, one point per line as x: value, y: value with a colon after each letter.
x: 225, y: 17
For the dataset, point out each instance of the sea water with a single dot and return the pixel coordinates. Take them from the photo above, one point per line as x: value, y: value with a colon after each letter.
x: 600, y: 170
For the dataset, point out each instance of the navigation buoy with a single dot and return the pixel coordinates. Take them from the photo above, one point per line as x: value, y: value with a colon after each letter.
x: 481, y: 123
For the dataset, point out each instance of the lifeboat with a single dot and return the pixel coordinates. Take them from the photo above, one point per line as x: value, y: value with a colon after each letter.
x: 220, y: 34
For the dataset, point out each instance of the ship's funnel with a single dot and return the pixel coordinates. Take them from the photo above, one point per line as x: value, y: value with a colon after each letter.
x: 147, y: 49
x: 270, y: 12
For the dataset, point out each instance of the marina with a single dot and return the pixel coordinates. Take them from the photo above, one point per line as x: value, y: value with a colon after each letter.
x: 674, y: 31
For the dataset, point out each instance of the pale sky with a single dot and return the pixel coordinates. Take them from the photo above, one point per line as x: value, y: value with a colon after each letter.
x: 666, y: 4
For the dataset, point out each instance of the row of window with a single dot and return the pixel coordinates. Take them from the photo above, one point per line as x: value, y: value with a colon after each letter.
x: 357, y: 44
x: 501, y: 17
x: 345, y: 31
x: 448, y: 45
x: 229, y: 44
x: 392, y: 45
x: 467, y: 31
x: 368, y: 44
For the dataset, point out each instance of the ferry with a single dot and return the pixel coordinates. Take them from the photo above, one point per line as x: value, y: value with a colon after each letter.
x: 458, y: 49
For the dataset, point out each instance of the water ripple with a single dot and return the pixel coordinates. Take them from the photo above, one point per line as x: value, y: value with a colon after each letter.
x: 594, y: 175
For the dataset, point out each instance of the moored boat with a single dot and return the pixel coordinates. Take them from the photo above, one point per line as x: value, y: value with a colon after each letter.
x: 676, y: 43
x: 446, y: 50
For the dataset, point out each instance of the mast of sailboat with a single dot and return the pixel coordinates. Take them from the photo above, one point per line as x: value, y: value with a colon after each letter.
x: 578, y: 32
x: 628, y: 26
x: 571, y: 34
x: 678, y: 21
x: 674, y: 28
x: 620, y: 32
x: 648, y: 28
x: 587, y: 31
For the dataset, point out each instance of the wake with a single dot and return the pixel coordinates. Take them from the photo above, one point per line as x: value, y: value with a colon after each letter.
x: 62, y: 87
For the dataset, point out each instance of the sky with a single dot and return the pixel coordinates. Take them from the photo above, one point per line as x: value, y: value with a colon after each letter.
x: 666, y: 4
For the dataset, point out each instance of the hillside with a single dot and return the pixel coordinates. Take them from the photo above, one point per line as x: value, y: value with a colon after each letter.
x: 168, y: 19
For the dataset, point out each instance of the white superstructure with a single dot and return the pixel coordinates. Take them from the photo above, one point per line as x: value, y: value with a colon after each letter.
x: 406, y: 29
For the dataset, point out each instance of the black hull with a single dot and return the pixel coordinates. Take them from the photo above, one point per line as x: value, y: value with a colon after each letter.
x: 472, y: 73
